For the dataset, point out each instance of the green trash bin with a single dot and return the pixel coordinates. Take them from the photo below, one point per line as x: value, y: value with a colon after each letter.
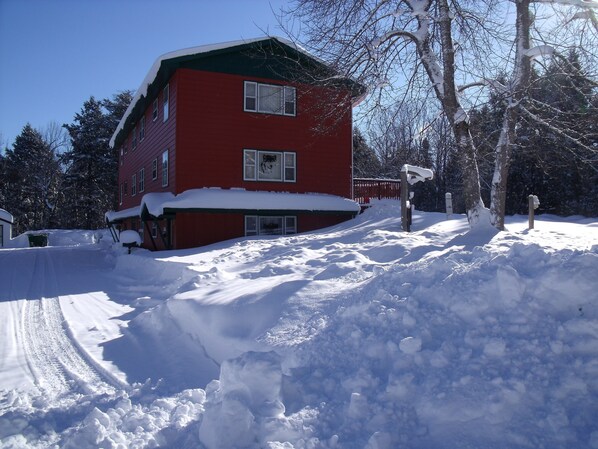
x: 38, y: 240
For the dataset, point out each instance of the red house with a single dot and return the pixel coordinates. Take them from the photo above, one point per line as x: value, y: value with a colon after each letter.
x: 235, y: 139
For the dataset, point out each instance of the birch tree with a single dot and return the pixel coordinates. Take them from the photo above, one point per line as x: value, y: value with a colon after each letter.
x: 398, y: 48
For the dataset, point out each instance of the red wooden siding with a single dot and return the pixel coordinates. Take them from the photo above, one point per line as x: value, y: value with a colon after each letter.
x: 213, y: 130
x: 159, y: 136
x: 194, y: 229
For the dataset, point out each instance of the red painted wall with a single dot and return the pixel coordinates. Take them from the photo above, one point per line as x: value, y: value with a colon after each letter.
x: 213, y: 130
x: 193, y: 230
x: 206, y: 133
x: 159, y: 136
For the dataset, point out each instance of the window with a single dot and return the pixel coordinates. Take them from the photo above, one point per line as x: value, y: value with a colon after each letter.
x: 165, y: 98
x: 289, y: 100
x: 154, y: 169
x: 134, y: 144
x: 265, y: 225
x: 134, y: 185
x: 268, y: 166
x: 165, y: 168
x: 289, y: 167
x: 141, y: 180
x: 126, y: 188
x: 122, y: 192
x: 122, y: 156
x: 155, y: 110
x: 270, y: 98
x: 142, y: 129
x: 154, y: 229
x: 250, y: 96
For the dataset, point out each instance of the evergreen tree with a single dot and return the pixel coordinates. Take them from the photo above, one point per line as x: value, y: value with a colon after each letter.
x: 90, y: 184
x: 32, y: 176
x: 90, y: 179
x: 365, y: 162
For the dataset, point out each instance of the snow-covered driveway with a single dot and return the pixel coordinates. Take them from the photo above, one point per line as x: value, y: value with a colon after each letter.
x: 38, y: 349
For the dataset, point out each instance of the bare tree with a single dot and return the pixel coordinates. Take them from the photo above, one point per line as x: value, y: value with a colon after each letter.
x: 399, y: 48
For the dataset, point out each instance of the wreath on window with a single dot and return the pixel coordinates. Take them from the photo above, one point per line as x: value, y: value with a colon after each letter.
x: 267, y: 164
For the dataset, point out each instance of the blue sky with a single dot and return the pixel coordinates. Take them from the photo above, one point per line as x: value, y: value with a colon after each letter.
x: 55, y: 54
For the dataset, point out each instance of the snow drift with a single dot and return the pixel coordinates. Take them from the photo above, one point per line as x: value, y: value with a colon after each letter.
x: 358, y: 336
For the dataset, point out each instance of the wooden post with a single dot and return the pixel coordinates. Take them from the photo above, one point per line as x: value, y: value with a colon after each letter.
x: 404, y: 199
x: 449, y: 204
x: 531, y: 207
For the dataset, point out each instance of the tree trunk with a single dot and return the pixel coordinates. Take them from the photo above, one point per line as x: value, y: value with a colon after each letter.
x: 459, y: 121
x: 518, y: 83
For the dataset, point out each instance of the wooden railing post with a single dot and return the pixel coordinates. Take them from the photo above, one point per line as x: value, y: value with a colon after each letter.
x: 404, y: 200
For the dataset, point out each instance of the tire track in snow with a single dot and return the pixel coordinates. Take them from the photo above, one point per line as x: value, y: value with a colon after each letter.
x: 56, y: 361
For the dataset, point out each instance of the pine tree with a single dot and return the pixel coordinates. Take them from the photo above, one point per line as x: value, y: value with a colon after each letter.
x: 91, y: 166
x: 90, y: 184
x: 32, y: 176
x: 365, y: 162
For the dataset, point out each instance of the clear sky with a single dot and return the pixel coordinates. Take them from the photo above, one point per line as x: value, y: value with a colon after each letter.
x: 55, y: 54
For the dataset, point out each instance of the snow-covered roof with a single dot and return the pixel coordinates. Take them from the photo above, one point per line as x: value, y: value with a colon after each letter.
x: 153, y: 72
x: 6, y: 216
x: 112, y: 216
x: 236, y: 200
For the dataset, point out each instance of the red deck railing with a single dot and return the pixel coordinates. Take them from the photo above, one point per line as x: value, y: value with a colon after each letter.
x: 365, y: 189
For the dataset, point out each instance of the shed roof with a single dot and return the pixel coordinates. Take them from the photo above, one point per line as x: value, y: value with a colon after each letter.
x: 6, y: 216
x: 236, y: 201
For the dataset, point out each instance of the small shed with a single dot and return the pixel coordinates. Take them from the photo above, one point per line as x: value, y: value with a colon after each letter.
x: 6, y: 221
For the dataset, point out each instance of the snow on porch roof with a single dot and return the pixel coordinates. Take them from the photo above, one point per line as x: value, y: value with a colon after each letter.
x: 237, y: 200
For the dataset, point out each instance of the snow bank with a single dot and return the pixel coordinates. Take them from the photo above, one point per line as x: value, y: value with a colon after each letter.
x: 356, y: 336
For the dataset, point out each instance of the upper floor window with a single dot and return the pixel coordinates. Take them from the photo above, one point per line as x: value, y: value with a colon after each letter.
x: 269, y: 166
x: 165, y: 101
x: 142, y: 128
x: 134, y: 144
x: 141, y: 180
x: 270, y: 98
x: 134, y: 184
x: 155, y: 110
x: 155, y: 169
x: 122, y: 192
x: 165, y: 168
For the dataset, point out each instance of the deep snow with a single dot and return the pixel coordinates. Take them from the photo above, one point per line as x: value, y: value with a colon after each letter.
x: 357, y: 336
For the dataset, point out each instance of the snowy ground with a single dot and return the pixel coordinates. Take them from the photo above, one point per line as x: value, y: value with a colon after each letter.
x: 359, y: 336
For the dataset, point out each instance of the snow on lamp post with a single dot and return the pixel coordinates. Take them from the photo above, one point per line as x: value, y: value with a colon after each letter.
x: 410, y: 174
x: 533, y: 203
x: 449, y: 204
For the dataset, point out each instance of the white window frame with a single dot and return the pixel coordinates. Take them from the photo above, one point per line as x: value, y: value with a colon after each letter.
x: 134, y: 184
x: 155, y: 110
x: 142, y: 180
x: 155, y: 169
x: 165, y: 102
x: 288, y: 99
x: 142, y: 129
x: 122, y: 192
x: 253, y: 224
x: 165, y: 168
x: 251, y: 171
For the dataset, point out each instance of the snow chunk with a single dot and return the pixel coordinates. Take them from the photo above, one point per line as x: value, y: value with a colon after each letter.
x: 410, y: 345
x: 539, y: 51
